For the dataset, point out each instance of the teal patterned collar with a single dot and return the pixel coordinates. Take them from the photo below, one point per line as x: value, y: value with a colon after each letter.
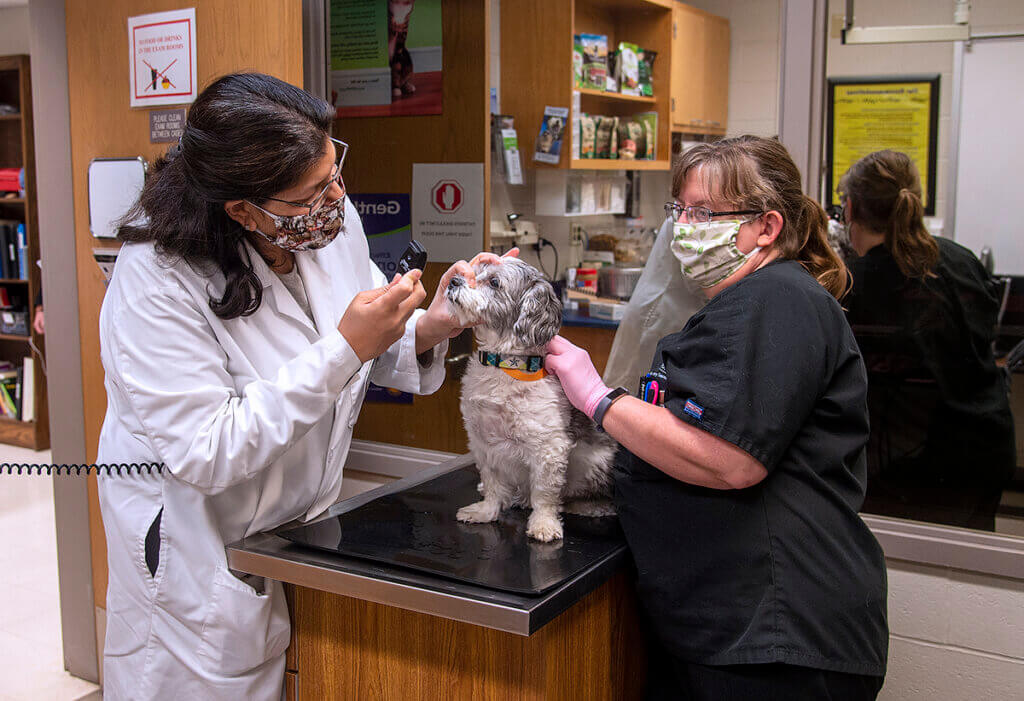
x: 526, y: 363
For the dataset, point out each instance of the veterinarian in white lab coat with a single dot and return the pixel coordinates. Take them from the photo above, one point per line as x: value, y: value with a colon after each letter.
x: 744, y: 463
x: 239, y: 332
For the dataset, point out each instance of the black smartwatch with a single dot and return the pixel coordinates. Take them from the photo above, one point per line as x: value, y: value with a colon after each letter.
x: 607, y: 401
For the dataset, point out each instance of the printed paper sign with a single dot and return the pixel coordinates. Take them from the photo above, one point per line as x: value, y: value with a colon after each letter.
x: 448, y: 209
x: 385, y: 220
x: 162, y: 48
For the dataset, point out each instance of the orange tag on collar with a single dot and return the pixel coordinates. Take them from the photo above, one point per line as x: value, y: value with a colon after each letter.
x: 524, y: 376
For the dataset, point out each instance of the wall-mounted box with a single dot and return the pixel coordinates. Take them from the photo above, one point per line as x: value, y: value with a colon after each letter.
x: 561, y: 193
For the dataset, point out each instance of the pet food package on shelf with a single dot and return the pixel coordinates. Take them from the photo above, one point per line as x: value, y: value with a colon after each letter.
x: 549, y: 141
x: 588, y: 135
x: 646, y: 68
x: 649, y: 120
x: 627, y: 68
x: 627, y: 145
x: 595, y: 60
x: 577, y: 62
x: 611, y: 84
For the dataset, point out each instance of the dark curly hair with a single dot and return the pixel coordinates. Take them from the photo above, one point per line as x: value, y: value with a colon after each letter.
x: 247, y: 137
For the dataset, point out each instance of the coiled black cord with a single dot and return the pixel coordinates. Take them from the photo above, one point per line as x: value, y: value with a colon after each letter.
x: 121, y: 470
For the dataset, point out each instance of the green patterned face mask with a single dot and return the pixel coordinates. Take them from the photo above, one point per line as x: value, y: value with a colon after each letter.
x: 707, y: 251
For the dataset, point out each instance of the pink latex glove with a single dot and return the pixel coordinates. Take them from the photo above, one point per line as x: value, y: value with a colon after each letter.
x: 575, y: 370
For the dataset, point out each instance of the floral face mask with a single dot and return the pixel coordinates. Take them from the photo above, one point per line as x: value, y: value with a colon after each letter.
x: 306, y: 232
x: 707, y: 251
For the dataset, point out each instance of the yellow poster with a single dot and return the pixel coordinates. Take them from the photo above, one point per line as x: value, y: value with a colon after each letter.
x: 869, y: 117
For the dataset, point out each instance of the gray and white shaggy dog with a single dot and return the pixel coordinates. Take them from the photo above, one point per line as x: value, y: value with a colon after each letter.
x: 532, y: 447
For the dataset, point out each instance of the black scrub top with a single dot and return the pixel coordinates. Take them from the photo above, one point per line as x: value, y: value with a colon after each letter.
x: 942, y: 443
x: 784, y: 571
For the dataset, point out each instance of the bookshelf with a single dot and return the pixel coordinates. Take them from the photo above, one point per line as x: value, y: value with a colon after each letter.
x: 17, y: 150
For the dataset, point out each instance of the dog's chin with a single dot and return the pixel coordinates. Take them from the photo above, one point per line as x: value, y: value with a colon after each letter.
x: 462, y: 312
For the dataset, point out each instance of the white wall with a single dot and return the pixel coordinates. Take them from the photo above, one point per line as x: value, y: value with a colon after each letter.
x: 753, y: 63
x: 954, y: 635
x: 13, y: 30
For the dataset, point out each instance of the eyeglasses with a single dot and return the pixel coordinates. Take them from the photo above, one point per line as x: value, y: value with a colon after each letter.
x: 699, y: 215
x: 340, y: 150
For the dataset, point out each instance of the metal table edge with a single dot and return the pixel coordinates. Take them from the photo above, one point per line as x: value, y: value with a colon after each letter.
x: 380, y: 591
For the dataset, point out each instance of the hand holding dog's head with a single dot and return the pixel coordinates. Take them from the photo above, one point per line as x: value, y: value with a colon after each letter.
x: 512, y: 306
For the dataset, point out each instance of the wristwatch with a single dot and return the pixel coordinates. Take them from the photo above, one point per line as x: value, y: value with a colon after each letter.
x: 607, y: 401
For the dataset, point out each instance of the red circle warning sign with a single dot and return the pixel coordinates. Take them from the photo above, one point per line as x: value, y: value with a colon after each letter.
x: 447, y: 196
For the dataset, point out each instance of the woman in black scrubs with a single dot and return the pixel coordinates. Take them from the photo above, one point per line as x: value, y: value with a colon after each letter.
x: 924, y: 311
x: 743, y: 467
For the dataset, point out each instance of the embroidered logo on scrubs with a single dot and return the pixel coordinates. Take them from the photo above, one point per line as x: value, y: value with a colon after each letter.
x: 694, y: 409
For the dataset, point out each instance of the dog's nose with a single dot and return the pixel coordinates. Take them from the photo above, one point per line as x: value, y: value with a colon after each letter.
x: 457, y: 281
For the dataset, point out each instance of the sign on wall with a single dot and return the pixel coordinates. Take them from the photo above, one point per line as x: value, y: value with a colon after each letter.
x: 889, y: 112
x: 385, y: 57
x: 448, y: 209
x: 162, y: 56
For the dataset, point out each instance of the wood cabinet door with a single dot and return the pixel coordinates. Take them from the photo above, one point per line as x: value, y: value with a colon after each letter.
x: 688, y: 66
x: 716, y: 71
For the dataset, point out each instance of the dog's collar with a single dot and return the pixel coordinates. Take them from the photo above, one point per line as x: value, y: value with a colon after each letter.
x: 527, y: 368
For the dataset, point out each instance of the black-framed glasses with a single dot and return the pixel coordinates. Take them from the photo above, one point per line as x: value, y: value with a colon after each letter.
x: 340, y: 150
x: 699, y: 215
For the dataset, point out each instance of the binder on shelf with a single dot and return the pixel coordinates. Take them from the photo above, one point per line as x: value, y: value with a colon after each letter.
x: 22, y: 252
x: 11, y: 251
x: 28, y: 390
x: 8, y: 236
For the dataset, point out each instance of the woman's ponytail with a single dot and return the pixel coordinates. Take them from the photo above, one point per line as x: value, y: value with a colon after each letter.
x: 816, y: 255
x: 912, y: 247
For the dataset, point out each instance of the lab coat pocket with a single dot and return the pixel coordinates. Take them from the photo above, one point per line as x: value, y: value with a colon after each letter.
x: 243, y: 628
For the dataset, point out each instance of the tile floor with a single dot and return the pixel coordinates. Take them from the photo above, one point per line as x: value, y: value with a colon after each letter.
x: 31, y: 657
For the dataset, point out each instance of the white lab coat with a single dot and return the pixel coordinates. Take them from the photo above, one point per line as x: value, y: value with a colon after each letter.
x: 253, y: 418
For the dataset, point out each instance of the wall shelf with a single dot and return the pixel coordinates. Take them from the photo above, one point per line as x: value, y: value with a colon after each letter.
x: 601, y: 94
x: 617, y: 164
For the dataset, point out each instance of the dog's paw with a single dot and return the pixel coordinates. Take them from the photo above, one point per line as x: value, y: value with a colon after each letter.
x: 396, y: 92
x: 480, y: 512
x: 594, y: 508
x: 408, y: 88
x: 544, y: 526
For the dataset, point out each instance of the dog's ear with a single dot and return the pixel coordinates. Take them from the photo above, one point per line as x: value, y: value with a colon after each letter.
x: 540, y: 315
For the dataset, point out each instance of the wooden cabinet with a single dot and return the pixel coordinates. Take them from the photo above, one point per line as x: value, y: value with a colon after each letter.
x: 347, y: 648
x: 700, y: 71
x: 17, y: 150
x: 537, y: 60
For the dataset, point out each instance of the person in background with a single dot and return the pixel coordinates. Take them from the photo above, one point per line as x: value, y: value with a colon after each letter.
x: 743, y: 466
x: 38, y: 320
x: 924, y: 311
x: 242, y: 325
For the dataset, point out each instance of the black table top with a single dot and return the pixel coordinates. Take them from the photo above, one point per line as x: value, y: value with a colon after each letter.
x: 416, y: 528
x: 270, y: 555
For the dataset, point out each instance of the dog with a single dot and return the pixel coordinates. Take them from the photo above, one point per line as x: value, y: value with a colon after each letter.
x: 532, y: 447
x: 399, y: 58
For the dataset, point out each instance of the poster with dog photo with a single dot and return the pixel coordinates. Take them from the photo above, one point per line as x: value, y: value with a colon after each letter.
x: 385, y: 57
